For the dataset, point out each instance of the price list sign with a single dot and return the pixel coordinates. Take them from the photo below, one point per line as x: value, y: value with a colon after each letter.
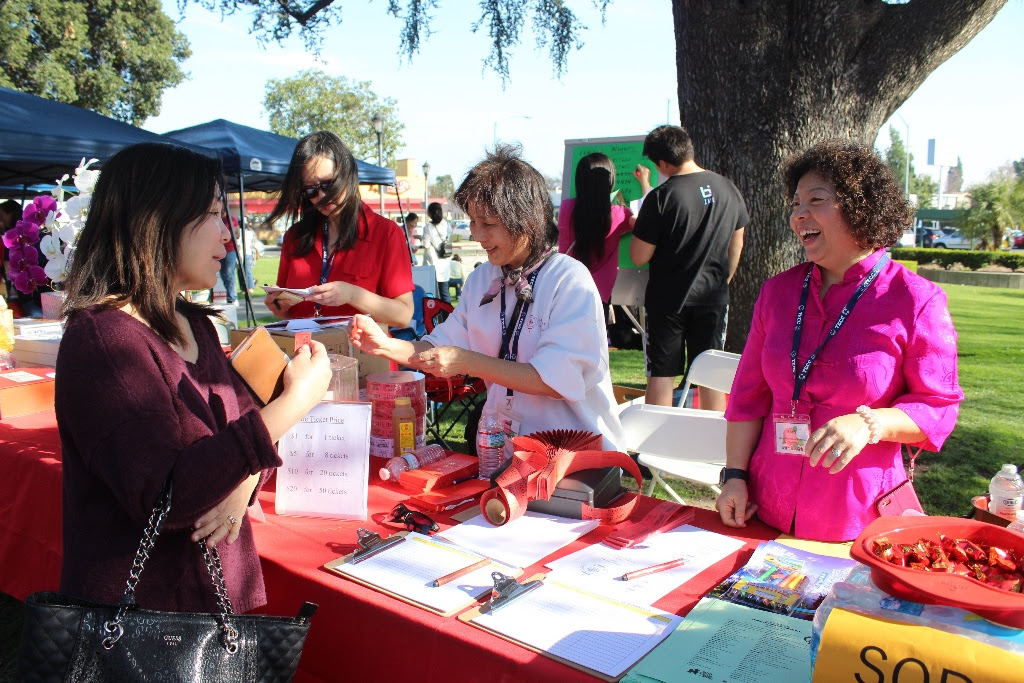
x: 326, y: 463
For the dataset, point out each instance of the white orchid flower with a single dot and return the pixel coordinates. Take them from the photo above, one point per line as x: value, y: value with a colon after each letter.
x: 51, y: 218
x: 76, y: 206
x: 85, y: 179
x: 58, y: 192
x: 67, y: 231
x: 50, y: 246
x: 57, y: 268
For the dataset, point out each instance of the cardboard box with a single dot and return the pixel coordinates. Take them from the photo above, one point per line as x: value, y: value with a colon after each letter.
x: 24, y: 391
x: 36, y: 351
x: 335, y: 338
x: 38, y: 327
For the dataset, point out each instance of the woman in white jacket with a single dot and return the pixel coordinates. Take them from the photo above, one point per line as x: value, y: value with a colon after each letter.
x: 529, y: 322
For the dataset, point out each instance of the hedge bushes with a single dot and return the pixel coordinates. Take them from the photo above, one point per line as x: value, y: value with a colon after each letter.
x: 972, y: 260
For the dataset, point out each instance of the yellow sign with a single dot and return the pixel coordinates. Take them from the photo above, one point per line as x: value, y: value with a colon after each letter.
x: 859, y: 649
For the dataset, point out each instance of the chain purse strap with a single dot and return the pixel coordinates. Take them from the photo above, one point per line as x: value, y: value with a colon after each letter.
x: 115, y: 630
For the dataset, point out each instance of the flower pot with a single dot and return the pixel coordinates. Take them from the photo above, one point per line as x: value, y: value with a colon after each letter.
x: 52, y: 303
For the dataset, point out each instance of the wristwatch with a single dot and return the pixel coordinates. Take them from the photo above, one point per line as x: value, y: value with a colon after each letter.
x: 728, y: 473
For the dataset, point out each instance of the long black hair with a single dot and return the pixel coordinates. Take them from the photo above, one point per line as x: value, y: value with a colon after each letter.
x: 592, y: 213
x: 147, y: 196
x: 344, y: 192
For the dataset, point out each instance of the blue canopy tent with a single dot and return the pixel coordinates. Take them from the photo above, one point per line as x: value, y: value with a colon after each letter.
x: 256, y: 159
x: 41, y: 140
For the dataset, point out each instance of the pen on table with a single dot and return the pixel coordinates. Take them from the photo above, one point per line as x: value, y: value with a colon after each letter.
x: 636, y: 574
x: 459, y: 481
x: 459, y: 573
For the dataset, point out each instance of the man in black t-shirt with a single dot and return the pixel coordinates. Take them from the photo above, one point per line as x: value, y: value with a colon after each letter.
x: 690, y: 229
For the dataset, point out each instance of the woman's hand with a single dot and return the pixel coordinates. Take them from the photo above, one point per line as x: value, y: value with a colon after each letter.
x: 225, y: 518
x: 308, y: 374
x: 367, y: 336
x: 734, y: 505
x: 333, y: 294
x: 443, y: 361
x: 279, y: 305
x: 837, y: 442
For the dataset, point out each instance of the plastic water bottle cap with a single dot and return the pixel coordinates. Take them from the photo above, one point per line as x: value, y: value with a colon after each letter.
x: 385, y: 473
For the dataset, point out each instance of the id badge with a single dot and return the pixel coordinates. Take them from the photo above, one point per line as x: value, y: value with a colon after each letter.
x: 511, y: 423
x: 791, y: 433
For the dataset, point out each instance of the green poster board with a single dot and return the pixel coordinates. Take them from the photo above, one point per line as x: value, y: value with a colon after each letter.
x: 625, y: 156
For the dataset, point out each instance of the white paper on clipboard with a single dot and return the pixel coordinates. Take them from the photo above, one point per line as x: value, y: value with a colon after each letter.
x: 326, y: 463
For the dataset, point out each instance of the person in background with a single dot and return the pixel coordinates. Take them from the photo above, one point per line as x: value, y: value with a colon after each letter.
x: 455, y: 275
x: 589, y: 226
x: 546, y: 367
x: 229, y: 264
x: 690, y: 229
x: 435, y: 234
x: 415, y: 233
x: 868, y: 374
x: 145, y: 395
x: 253, y: 252
x: 352, y: 259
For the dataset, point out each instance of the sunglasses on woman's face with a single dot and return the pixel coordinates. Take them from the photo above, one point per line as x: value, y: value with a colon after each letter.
x: 313, y: 190
x: 413, y: 520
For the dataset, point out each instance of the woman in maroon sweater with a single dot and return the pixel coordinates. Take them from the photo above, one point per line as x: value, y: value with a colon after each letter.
x: 144, y: 393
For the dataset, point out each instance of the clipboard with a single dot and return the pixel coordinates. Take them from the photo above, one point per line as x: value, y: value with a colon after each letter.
x: 470, y: 615
x: 340, y: 565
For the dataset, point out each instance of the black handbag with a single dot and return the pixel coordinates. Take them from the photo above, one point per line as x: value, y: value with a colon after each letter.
x: 71, y: 640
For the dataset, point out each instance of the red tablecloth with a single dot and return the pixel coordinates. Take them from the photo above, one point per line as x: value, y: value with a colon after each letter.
x: 358, y: 633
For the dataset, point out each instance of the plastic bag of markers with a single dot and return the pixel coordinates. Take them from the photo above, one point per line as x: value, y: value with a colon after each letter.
x: 858, y: 594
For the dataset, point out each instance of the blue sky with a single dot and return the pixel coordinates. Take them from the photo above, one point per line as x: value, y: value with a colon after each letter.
x: 622, y: 82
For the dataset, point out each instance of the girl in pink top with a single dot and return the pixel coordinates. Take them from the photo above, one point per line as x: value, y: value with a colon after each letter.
x: 589, y: 227
x: 887, y: 377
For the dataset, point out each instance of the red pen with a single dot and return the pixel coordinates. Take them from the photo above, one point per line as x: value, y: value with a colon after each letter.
x: 654, y: 569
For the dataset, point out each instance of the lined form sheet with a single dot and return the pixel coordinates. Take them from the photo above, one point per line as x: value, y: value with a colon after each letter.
x: 599, y: 633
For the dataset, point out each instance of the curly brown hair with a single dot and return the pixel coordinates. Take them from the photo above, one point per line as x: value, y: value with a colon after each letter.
x: 869, y: 197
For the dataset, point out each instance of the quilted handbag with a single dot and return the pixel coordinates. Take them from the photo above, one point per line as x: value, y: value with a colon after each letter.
x: 902, y: 499
x: 66, y: 639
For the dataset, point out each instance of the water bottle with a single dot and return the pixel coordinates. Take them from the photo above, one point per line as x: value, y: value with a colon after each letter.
x: 1005, y: 492
x: 490, y: 444
x: 394, y: 467
x: 1018, y: 525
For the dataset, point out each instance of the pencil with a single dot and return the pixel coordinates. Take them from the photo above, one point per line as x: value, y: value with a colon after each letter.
x: 459, y: 573
x: 636, y: 574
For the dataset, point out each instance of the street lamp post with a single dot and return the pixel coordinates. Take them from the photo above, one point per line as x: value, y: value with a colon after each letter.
x: 426, y: 184
x: 378, y: 128
x: 507, y: 118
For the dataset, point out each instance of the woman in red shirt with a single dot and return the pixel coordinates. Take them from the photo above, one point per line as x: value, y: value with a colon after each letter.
x: 365, y: 267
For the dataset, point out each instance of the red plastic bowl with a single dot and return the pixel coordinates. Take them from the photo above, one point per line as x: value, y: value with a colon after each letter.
x: 939, y: 588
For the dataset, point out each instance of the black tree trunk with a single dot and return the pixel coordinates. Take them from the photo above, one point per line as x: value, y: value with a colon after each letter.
x: 759, y: 81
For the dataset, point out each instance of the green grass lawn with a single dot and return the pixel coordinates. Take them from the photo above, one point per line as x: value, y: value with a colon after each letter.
x: 988, y: 433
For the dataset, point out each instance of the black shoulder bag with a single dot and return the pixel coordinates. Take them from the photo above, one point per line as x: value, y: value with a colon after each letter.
x: 68, y: 639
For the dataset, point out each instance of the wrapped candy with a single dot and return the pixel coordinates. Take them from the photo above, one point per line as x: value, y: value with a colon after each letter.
x: 988, y: 564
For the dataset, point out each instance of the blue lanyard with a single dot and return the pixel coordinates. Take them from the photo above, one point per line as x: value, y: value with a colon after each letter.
x: 325, y: 266
x: 510, y: 338
x: 800, y: 377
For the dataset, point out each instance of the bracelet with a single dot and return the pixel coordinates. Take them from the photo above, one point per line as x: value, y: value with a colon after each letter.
x: 874, y: 430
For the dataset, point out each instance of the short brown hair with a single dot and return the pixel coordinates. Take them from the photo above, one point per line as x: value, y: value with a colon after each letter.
x: 871, y: 200
x: 516, y: 193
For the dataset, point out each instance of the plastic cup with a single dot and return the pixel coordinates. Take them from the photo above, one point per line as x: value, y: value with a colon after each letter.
x: 344, y: 384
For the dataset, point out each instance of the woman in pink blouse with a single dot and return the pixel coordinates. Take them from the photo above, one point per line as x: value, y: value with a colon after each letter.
x: 589, y: 226
x: 813, y: 440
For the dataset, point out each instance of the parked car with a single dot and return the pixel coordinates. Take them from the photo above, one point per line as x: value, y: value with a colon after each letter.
x: 461, y: 228
x: 1017, y: 239
x: 953, y: 240
x: 925, y: 237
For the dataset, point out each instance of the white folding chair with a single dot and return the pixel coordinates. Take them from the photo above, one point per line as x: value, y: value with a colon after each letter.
x: 712, y: 369
x: 683, y: 442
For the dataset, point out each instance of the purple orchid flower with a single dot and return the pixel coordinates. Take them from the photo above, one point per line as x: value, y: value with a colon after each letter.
x: 37, y: 211
x: 23, y: 233
x: 28, y: 279
x: 24, y: 256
